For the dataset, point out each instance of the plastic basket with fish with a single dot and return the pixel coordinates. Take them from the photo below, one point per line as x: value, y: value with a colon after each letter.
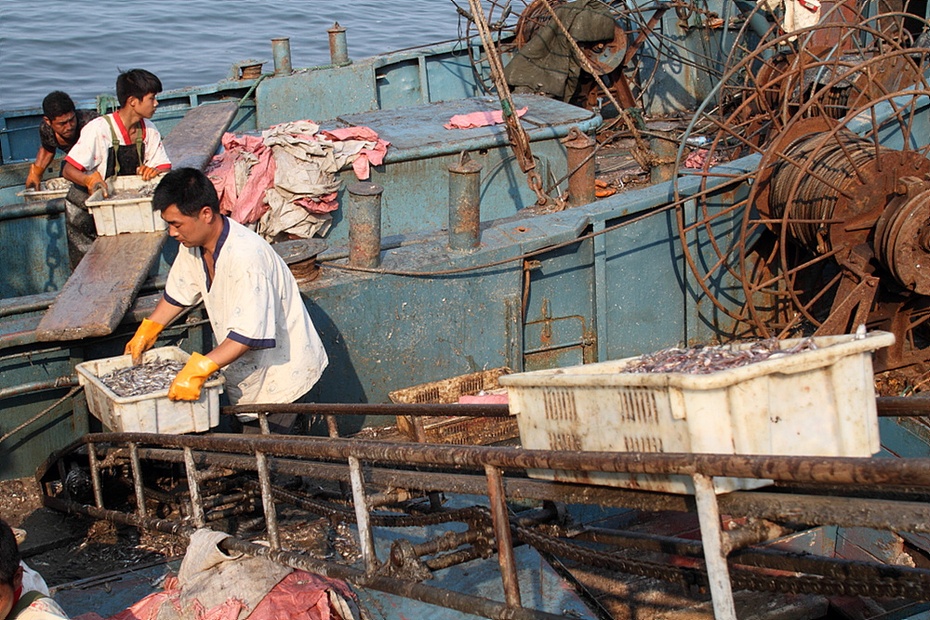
x: 151, y: 412
x: 463, y: 430
x: 48, y: 190
x: 127, y: 209
x: 816, y: 402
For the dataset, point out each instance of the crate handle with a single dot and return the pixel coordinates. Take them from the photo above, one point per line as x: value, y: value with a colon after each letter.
x: 676, y: 401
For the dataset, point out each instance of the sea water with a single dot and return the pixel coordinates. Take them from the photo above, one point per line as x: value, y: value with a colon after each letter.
x: 80, y: 47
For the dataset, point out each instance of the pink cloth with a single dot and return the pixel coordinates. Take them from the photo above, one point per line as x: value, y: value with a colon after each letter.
x: 299, y: 596
x: 479, y: 119
x: 484, y: 399
x: 248, y: 205
x: 699, y: 158
x: 366, y: 157
x: 319, y: 204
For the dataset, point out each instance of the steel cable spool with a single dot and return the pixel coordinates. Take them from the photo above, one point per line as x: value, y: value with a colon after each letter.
x: 818, y: 188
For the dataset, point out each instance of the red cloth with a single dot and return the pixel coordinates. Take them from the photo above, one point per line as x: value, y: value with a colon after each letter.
x: 366, y: 157
x: 299, y: 596
x: 319, y: 204
x: 248, y: 205
x: 479, y: 119
x: 484, y: 399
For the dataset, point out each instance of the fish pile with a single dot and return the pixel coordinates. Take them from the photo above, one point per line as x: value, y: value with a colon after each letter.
x: 56, y: 184
x: 143, y: 192
x: 702, y: 360
x: 147, y: 378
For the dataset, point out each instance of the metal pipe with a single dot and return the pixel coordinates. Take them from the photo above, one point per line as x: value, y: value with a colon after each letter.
x: 912, y: 472
x: 281, y: 50
x: 464, y: 204
x: 137, y: 479
x: 95, y: 475
x: 194, y: 486
x: 271, y: 515
x: 447, y: 542
x: 375, y: 409
x: 718, y: 573
x: 579, y: 149
x: 501, y: 522
x: 338, y: 48
x: 38, y: 386
x: 32, y: 209
x: 366, y: 539
x: 902, y: 406
x: 365, y: 224
x: 664, y: 150
x: 882, y: 514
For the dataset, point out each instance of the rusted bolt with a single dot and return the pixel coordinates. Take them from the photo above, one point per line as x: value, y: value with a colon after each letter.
x: 908, y: 186
x: 923, y: 238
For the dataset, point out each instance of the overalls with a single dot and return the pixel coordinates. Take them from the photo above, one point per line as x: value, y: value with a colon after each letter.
x: 122, y: 160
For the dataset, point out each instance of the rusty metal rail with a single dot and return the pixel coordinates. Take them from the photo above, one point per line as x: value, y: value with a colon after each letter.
x: 369, y: 466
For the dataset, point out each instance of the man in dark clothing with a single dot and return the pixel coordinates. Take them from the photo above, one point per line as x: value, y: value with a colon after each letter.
x: 60, y: 128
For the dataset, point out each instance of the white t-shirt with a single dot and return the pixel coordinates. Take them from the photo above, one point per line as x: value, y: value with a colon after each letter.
x: 43, y: 608
x: 92, y: 150
x: 253, y: 299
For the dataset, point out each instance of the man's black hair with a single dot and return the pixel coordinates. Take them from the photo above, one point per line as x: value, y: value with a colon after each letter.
x: 189, y: 189
x: 9, y: 554
x: 136, y: 83
x: 57, y: 103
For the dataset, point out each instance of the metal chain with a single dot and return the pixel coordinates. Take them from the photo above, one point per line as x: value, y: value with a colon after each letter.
x: 913, y: 587
x: 325, y: 509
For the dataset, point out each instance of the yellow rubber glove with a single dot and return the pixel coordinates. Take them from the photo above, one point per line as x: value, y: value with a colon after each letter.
x: 93, y: 182
x: 143, y: 340
x: 147, y: 173
x: 34, y: 178
x: 189, y: 382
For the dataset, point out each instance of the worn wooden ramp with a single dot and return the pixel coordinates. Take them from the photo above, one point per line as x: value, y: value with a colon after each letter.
x: 194, y: 140
x: 95, y: 298
x: 98, y: 293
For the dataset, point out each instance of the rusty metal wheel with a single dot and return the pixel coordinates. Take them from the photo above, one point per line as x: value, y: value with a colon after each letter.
x: 821, y: 229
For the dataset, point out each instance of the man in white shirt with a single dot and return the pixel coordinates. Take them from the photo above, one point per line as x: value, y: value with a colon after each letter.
x: 267, y: 344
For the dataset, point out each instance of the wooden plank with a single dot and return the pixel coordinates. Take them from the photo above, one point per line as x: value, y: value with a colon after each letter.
x: 98, y: 293
x: 196, y: 138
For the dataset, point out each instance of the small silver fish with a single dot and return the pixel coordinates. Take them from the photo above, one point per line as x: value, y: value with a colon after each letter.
x: 143, y: 379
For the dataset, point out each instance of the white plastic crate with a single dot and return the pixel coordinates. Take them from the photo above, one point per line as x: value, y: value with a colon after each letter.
x: 128, y: 214
x: 48, y: 190
x: 149, y: 413
x: 813, y: 403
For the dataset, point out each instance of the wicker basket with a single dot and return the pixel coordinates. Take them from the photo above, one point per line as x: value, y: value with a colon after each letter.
x: 462, y: 430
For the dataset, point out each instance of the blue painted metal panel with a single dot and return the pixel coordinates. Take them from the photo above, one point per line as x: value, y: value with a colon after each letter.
x: 904, y: 437
x: 21, y: 136
x: 316, y: 95
x: 559, y: 317
x: 400, y: 84
x: 451, y: 74
x: 56, y: 428
x: 34, y: 254
x: 387, y: 332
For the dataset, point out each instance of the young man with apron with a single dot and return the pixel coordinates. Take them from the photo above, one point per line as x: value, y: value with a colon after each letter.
x: 124, y: 142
